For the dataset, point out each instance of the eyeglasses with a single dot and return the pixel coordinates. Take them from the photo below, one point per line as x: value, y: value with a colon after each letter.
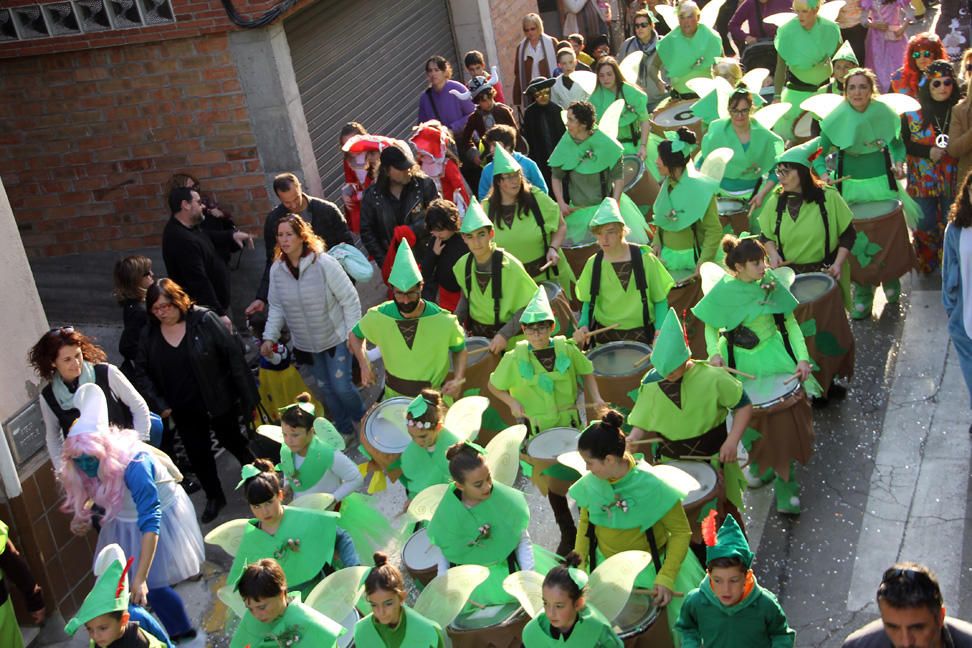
x: 61, y: 330
x: 148, y: 273
x: 739, y: 112
x: 161, y: 307
x: 537, y: 329
x: 938, y: 83
x: 917, y: 54
x: 782, y: 171
x: 540, y: 93
x: 642, y: 25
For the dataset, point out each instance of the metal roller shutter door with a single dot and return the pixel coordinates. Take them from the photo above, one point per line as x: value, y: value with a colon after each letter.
x: 363, y: 61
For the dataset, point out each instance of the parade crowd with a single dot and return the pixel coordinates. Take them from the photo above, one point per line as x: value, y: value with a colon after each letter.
x: 626, y: 282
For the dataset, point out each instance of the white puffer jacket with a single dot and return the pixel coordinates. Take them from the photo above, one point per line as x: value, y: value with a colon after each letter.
x: 320, y: 307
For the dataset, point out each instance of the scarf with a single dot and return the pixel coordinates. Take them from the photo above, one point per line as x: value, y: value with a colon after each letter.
x: 65, y: 394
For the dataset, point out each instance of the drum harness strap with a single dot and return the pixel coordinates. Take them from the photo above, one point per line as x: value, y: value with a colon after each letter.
x: 730, y: 336
x: 534, y: 207
x: 592, y: 544
x: 496, y: 278
x: 781, y: 205
x: 638, y: 270
x: 888, y: 165
x: 696, y: 242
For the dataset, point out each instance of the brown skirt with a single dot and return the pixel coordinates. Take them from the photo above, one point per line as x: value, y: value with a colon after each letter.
x: 786, y: 434
x: 682, y: 299
x: 832, y: 346
x: 896, y: 257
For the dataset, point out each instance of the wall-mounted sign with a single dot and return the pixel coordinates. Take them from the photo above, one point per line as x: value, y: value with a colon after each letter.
x: 25, y: 432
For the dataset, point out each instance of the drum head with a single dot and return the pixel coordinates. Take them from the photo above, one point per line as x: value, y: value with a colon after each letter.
x: 728, y: 206
x: 552, y: 443
x: 348, y: 622
x: 703, y: 473
x: 619, y: 358
x: 768, y: 389
x: 802, y: 127
x: 474, y: 343
x: 632, y: 168
x: 385, y: 427
x: 636, y: 617
x: 588, y: 241
x: 811, y: 286
x: 418, y: 553
x: 488, y: 617
x: 552, y: 289
x: 675, y: 115
x: 875, y: 209
x: 681, y: 276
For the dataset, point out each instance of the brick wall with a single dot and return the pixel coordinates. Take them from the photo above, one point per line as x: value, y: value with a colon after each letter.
x: 507, y: 16
x: 88, y: 139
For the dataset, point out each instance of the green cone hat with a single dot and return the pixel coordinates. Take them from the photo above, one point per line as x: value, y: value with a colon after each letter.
x: 846, y: 53
x: 538, y: 310
x: 475, y: 218
x: 109, y: 594
x: 670, y: 351
x: 800, y: 154
x: 730, y: 543
x: 405, y: 273
x: 607, y: 212
x: 503, y: 161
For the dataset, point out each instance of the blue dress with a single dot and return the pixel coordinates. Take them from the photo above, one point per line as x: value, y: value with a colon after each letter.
x: 952, y: 300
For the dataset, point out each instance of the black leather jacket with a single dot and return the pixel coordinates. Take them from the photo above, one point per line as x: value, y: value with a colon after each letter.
x: 217, y: 363
x: 379, y: 216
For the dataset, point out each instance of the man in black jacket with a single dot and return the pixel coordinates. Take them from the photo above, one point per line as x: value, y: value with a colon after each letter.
x: 399, y: 197
x: 322, y: 215
x: 190, y: 256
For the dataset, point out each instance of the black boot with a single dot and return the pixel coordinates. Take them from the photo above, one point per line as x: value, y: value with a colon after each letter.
x: 213, y: 507
x: 565, y: 522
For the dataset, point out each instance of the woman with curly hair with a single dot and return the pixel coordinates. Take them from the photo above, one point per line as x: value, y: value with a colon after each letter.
x: 922, y: 49
x: 68, y: 359
x: 957, y: 278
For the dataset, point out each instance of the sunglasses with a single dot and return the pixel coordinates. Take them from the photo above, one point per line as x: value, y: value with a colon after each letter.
x: 917, y: 54
x: 938, y: 83
x: 61, y: 330
x: 642, y: 24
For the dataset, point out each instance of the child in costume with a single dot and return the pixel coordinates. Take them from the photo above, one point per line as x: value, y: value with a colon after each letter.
x: 146, y: 512
x: 625, y: 504
x: 424, y: 461
x: 310, y: 457
x: 277, y: 531
x: 566, y: 621
x: 729, y: 608
x: 479, y: 522
x: 14, y: 568
x: 538, y: 380
x: 104, y: 612
x: 275, y: 617
x: 392, y: 624
x: 495, y: 286
x: 685, y: 403
x: 623, y: 284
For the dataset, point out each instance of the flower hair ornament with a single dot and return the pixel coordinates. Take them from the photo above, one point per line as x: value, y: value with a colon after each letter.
x: 578, y: 576
x: 416, y: 409
x: 678, y: 145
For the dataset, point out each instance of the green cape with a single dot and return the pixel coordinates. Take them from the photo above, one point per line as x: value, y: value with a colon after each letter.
x: 636, y: 501
x: 421, y: 468
x: 731, y: 301
x: 688, y: 58
x: 419, y: 632
x: 299, y: 626
x: 591, y: 630
x: 861, y: 132
x: 635, y: 105
x: 678, y: 207
x: 461, y: 532
x: 808, y: 52
x: 746, y: 163
x: 319, y: 459
x: 595, y: 154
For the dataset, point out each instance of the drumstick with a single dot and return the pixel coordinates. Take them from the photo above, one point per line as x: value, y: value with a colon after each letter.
x: 604, y: 328
x: 740, y: 373
x: 476, y: 605
x: 696, y: 458
x: 648, y: 440
x: 791, y: 378
x: 478, y: 351
x: 545, y: 266
x: 641, y: 590
x: 645, y: 358
x: 587, y: 406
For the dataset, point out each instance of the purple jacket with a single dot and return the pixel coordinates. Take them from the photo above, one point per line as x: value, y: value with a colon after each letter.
x: 446, y: 107
x: 747, y: 12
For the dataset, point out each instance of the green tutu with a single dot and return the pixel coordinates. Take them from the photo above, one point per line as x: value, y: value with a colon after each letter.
x: 874, y: 189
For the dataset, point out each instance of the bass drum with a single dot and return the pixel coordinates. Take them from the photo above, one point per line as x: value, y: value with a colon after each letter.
x: 641, y: 187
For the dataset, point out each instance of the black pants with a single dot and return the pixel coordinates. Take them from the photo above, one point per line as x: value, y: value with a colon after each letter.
x: 194, y: 427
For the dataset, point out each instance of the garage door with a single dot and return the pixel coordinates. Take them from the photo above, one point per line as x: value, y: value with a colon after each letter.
x: 363, y: 61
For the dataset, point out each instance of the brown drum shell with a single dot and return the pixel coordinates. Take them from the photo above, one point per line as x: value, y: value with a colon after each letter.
x: 504, y: 636
x: 801, y: 139
x: 897, y: 256
x: 692, y: 511
x: 682, y: 299
x: 577, y: 256
x: 830, y: 316
x: 477, y: 377
x: 423, y: 576
x: 560, y: 306
x: 544, y: 483
x: 381, y: 459
x: 738, y: 221
x: 786, y: 431
x: 660, y: 129
x: 657, y: 635
x: 645, y: 191
x: 615, y: 389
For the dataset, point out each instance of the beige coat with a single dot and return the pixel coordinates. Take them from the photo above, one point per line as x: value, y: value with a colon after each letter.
x: 960, y: 137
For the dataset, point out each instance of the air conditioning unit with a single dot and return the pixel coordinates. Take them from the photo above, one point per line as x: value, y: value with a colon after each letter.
x: 93, y: 15
x: 8, y: 30
x: 61, y: 18
x: 157, y: 12
x: 125, y: 13
x: 31, y: 22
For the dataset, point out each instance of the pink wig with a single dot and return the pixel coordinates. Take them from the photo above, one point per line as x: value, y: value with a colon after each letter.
x: 114, y: 450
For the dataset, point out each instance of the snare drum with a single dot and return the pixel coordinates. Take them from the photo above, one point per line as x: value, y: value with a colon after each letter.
x: 383, y: 433
x: 479, y: 366
x: 618, y: 368
x: 803, y: 128
x: 782, y: 416
x: 672, y: 115
x: 710, y: 488
x: 734, y: 214
x: 495, y: 626
x: 420, y: 557
x: 641, y: 625
x: 542, y: 452
x: 883, y: 223
x: 685, y: 294
x: 641, y: 187
x: 821, y: 301
x: 347, y: 639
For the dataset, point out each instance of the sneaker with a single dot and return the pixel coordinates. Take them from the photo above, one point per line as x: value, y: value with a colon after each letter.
x: 836, y: 391
x: 754, y: 480
x: 188, y: 635
x: 893, y: 294
x: 819, y: 402
x: 789, y: 507
x: 860, y: 311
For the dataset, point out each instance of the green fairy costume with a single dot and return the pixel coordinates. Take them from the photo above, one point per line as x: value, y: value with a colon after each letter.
x: 632, y: 294
x: 807, y: 54
x: 299, y: 626
x: 750, y: 161
x: 686, y: 58
x: 317, y: 461
x: 303, y: 545
x: 589, y: 169
x: 591, y: 630
x: 424, y: 467
x: 527, y: 234
x: 756, y: 620
x: 492, y: 304
x: 752, y: 327
x: 413, y: 631
x: 634, y: 114
x: 687, y: 218
x: 415, y: 351
x: 486, y: 534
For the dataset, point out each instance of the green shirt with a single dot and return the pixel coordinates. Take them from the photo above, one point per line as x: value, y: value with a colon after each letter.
x: 414, y: 631
x: 689, y: 58
x: 523, y: 239
x: 299, y: 626
x: 687, y: 217
x: 617, y: 304
x: 517, y: 286
x: 803, y: 239
x: 319, y: 459
x: 635, y: 111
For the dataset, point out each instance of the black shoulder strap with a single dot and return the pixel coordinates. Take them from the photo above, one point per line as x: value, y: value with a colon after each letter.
x: 591, y: 546
x: 780, y: 320
x: 468, y: 273
x: 595, y: 286
x: 496, y: 284
x: 780, y: 206
x: 697, y: 242
x: 655, y: 556
x: 822, y: 206
x: 428, y: 92
x: 48, y: 394
x: 538, y: 217
x: 605, y: 185
x: 638, y: 270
